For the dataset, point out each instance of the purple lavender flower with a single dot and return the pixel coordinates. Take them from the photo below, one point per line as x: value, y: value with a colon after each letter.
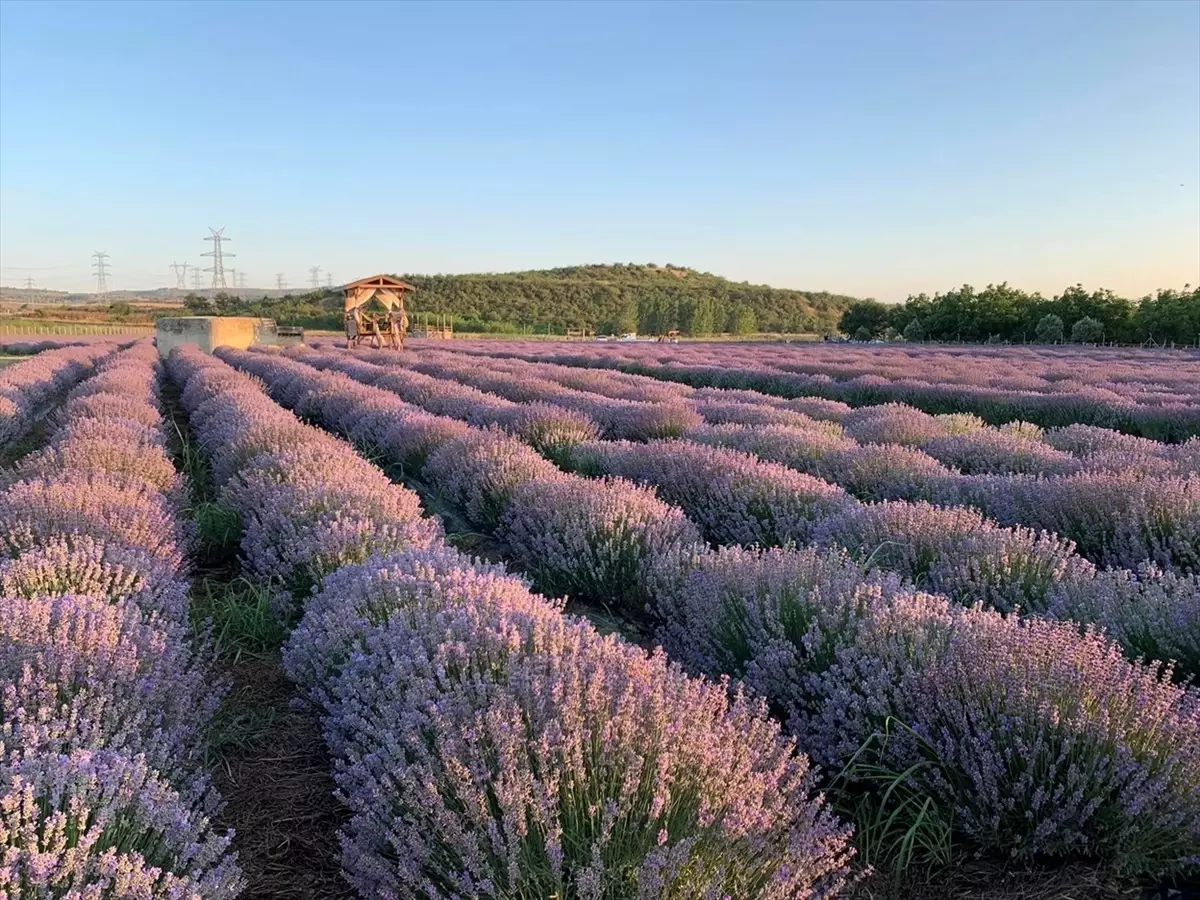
x: 733, y: 497
x: 1042, y: 740
x: 90, y: 673
x: 595, y: 539
x: 958, y: 552
x: 79, y: 564
x: 491, y: 744
x: 104, y: 825
x: 479, y: 472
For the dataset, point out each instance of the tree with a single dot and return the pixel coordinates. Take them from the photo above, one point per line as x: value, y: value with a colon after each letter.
x: 625, y: 321
x: 865, y: 314
x: 1049, y: 329
x: 703, y: 320
x: 1087, y: 331
x: 196, y: 303
x: 863, y: 334
x: 1169, y: 317
x: 742, y: 320
x: 914, y: 331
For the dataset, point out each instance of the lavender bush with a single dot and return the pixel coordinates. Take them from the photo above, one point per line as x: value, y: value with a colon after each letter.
x: 1043, y: 741
x: 104, y: 825
x: 594, y: 539
x: 479, y: 472
x: 79, y: 564
x: 733, y: 497
x: 88, y: 673
x: 563, y: 763
x: 958, y: 552
x: 29, y: 384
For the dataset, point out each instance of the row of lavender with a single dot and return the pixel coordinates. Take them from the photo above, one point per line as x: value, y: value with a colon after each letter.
x: 1132, y: 500
x: 106, y: 697
x: 1035, y: 737
x: 739, y: 499
x: 962, y: 442
x: 27, y: 386
x: 486, y: 744
x: 1159, y: 399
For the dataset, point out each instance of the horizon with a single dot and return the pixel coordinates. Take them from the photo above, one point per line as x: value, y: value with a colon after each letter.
x: 251, y: 290
x: 870, y: 149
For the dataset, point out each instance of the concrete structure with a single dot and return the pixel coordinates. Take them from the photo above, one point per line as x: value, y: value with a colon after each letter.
x: 210, y: 332
x: 289, y: 335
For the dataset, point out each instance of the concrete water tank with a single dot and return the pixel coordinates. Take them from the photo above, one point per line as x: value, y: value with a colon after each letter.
x: 210, y: 332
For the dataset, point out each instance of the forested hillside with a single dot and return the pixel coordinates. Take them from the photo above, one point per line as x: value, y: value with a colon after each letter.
x: 620, y: 298
x: 607, y: 299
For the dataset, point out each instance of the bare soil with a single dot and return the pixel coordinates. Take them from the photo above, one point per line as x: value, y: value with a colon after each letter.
x: 275, y: 777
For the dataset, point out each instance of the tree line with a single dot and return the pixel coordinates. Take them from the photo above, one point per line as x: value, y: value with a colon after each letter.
x: 604, y: 299
x: 1001, y: 313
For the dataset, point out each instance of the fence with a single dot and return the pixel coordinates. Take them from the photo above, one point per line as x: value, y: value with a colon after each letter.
x: 76, y: 329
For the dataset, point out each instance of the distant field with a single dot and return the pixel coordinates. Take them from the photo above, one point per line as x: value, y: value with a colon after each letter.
x: 9, y: 360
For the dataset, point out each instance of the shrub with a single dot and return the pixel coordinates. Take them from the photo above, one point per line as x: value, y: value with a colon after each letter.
x: 1087, y: 331
x: 79, y: 564
x: 1043, y: 741
x: 478, y: 473
x: 85, y: 673
x: 495, y: 749
x: 1049, y: 329
x: 734, y: 498
x: 105, y: 825
x: 595, y: 539
x: 958, y: 552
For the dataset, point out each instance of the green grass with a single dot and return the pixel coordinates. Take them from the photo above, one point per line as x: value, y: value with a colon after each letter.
x: 899, y: 828
x: 219, y: 528
x: 240, y: 617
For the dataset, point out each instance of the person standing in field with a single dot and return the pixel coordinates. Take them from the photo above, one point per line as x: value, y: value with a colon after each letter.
x: 354, y: 327
x: 398, y: 321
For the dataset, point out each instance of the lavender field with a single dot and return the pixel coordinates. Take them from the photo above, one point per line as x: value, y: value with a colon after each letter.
x: 523, y: 620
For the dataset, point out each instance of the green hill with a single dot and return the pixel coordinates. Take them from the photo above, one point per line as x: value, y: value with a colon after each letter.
x: 607, y: 299
x: 620, y: 298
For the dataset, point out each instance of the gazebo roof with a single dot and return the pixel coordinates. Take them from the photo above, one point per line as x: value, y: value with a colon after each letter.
x: 379, y: 281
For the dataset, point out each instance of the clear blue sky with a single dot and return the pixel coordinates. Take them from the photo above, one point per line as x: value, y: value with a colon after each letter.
x: 873, y: 149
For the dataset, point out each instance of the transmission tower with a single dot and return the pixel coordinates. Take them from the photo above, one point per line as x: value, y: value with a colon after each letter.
x: 233, y: 278
x: 28, y: 283
x: 196, y: 278
x: 239, y: 280
x: 280, y: 281
x: 180, y: 270
x: 219, y: 257
x: 100, y: 264
x: 314, y: 277
x: 328, y: 279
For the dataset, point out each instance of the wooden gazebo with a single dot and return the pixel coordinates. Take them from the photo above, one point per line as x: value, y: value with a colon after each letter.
x: 390, y: 292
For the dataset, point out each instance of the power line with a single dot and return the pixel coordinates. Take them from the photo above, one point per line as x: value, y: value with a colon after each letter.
x: 100, y: 264
x: 280, y: 281
x: 218, y: 267
x: 180, y: 275
x: 314, y: 275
